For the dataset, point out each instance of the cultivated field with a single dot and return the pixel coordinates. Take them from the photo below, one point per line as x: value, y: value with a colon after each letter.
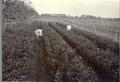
x: 102, y: 27
x: 60, y: 55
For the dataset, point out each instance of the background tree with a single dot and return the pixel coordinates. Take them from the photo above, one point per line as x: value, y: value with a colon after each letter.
x: 14, y: 10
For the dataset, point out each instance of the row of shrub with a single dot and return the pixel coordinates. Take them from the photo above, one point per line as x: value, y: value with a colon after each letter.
x: 101, y: 59
x: 102, y: 42
x: 64, y: 63
x: 16, y: 64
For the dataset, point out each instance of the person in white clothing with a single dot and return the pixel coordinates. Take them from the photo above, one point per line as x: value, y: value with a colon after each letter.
x: 38, y: 32
x: 69, y: 27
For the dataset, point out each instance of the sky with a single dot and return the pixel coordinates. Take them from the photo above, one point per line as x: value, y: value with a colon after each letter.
x: 102, y: 8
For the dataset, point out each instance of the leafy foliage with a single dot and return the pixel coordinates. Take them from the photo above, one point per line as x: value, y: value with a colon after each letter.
x: 17, y: 9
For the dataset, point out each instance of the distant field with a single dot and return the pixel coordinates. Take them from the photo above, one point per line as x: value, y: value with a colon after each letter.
x: 78, y: 55
x: 101, y: 27
x: 107, y: 28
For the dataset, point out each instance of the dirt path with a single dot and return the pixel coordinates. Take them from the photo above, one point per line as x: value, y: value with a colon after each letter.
x: 39, y: 68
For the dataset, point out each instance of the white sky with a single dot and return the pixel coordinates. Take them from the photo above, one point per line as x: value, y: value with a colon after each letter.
x: 103, y: 8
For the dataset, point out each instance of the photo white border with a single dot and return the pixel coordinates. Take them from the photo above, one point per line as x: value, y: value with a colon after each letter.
x: 0, y: 40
